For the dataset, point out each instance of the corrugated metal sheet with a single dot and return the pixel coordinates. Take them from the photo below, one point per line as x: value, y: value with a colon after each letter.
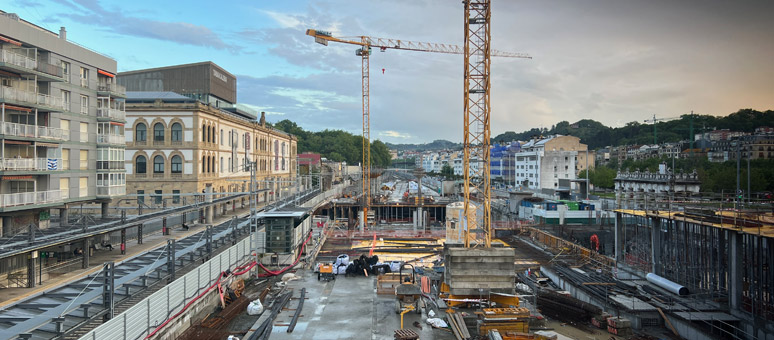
x: 176, y: 295
x: 191, y: 285
x: 137, y: 321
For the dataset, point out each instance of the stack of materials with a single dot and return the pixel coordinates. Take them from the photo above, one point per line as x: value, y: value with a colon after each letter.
x: 406, y: 334
x: 600, y: 321
x: 619, y: 326
x: 457, y: 325
x: 503, y: 319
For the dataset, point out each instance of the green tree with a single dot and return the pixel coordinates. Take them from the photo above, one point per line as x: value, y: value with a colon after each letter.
x: 447, y: 171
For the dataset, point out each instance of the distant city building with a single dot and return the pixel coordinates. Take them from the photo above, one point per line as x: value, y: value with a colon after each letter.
x: 640, y: 190
x: 719, y: 135
x: 62, y: 126
x: 541, y: 163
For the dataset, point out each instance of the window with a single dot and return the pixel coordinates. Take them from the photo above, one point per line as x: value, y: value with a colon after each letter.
x: 221, y: 139
x: 84, y: 128
x: 65, y: 126
x: 65, y: 69
x: 158, y: 165
x: 83, y: 183
x: 157, y: 197
x: 141, y: 132
x: 84, y: 104
x: 158, y: 132
x: 66, y: 100
x: 84, y: 164
x: 177, y: 165
x: 221, y: 162
x: 175, y: 196
x: 177, y: 132
x: 140, y: 196
x: 204, y: 133
x: 64, y: 186
x: 84, y: 77
x: 65, y: 159
x: 140, y: 164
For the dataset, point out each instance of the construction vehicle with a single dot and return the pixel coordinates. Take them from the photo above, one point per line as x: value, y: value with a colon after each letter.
x: 407, y: 293
x: 325, y: 272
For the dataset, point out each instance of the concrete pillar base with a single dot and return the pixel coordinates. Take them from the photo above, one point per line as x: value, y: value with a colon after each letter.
x: 105, y: 207
x: 64, y: 216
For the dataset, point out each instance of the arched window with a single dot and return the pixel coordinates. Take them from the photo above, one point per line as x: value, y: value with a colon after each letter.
x: 221, y: 162
x: 158, y: 165
x: 209, y: 168
x: 158, y: 132
x: 140, y: 164
x: 221, y: 140
x: 204, y: 133
x: 177, y: 132
x: 204, y: 163
x: 212, y: 161
x: 177, y: 164
x: 212, y: 134
x: 140, y: 132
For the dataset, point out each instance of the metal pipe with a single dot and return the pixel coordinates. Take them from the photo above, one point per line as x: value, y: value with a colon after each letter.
x: 670, y: 286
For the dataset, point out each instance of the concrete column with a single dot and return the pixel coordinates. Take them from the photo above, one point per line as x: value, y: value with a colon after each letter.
x: 64, y: 215
x: 105, y: 206
x: 85, y: 247
x: 619, y: 234
x: 735, y: 254
x: 361, y: 216
x: 655, y: 245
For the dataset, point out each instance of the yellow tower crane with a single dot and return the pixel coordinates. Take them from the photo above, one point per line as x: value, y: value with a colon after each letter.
x: 366, y: 43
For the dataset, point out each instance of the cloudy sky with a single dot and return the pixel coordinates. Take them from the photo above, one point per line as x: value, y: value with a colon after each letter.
x: 612, y: 61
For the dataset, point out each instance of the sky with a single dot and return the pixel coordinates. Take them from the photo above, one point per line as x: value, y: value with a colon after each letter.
x: 608, y: 60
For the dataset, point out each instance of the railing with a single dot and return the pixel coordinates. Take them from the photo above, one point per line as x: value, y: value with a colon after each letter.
x: 34, y: 197
x: 110, y: 139
x: 115, y: 88
x: 140, y: 142
x: 18, y: 95
x: 50, y: 101
x: 176, y: 175
x: 111, y: 191
x: 104, y: 112
x: 51, y: 69
x: 158, y: 175
x: 18, y: 59
x: 33, y: 164
x: 141, y: 175
x: 52, y: 132
x: 21, y: 130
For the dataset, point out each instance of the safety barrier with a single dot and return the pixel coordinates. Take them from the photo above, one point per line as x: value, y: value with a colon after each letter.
x: 141, y: 319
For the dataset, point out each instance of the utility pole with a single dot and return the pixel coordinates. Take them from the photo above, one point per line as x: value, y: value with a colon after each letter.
x: 748, y: 177
x: 587, y: 172
x: 738, y: 163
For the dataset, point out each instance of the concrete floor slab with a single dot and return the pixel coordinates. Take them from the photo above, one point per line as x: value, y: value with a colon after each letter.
x: 347, y: 308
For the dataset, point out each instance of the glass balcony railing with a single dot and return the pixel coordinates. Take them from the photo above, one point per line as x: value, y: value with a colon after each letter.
x: 31, y: 164
x: 110, y: 139
x: 113, y: 88
x: 33, y: 197
x: 111, y: 191
x: 105, y: 112
x: 26, y: 130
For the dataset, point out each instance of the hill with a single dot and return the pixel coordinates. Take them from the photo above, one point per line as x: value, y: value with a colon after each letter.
x: 597, y: 135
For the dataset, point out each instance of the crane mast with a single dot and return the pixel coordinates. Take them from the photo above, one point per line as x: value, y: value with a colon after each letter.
x: 476, y: 120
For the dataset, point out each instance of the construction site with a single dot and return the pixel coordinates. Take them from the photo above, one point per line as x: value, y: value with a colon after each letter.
x: 392, y: 254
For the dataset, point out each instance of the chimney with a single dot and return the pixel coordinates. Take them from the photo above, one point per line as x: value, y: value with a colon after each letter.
x: 62, y: 33
x: 263, y: 118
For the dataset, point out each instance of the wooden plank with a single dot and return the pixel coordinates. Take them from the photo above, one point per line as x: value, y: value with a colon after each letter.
x: 667, y: 321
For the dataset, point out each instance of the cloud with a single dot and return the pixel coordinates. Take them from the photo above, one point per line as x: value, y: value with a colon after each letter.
x: 118, y: 22
x: 394, y: 134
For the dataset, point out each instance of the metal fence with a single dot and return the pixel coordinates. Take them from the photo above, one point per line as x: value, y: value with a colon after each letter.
x: 141, y: 319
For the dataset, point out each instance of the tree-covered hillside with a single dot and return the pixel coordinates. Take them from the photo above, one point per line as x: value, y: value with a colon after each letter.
x: 336, y: 145
x: 597, y: 135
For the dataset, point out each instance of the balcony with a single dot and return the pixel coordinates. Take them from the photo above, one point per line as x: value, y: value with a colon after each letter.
x: 10, y: 57
x: 53, y: 133
x: 111, y: 191
x: 110, y: 139
x: 111, y: 165
x: 34, y: 197
x: 27, y: 98
x: 31, y: 164
x: 112, y: 88
x: 20, y: 130
x: 111, y: 113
